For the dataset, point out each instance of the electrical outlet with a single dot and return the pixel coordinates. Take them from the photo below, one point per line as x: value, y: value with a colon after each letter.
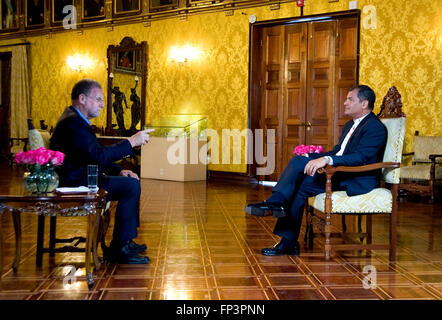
x: 352, y: 5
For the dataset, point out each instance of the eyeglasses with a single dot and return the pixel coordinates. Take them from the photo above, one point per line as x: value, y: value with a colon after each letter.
x: 97, y: 99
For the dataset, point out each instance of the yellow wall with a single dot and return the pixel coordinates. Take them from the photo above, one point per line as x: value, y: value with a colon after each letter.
x: 403, y: 50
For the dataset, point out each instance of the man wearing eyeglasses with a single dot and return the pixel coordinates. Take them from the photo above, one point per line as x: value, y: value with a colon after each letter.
x: 74, y: 137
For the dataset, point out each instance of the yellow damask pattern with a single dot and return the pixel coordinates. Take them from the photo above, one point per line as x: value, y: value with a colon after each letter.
x: 403, y: 50
x: 376, y: 201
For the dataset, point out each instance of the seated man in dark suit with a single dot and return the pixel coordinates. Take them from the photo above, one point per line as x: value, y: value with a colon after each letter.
x: 362, y: 142
x: 74, y: 137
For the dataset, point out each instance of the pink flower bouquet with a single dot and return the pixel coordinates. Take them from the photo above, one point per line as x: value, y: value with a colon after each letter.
x: 302, y: 149
x: 41, y: 176
x: 40, y: 157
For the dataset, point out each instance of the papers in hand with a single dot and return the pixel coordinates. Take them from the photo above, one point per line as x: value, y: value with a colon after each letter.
x: 81, y: 189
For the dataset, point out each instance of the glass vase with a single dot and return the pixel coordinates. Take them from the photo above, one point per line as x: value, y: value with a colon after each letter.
x: 40, y: 179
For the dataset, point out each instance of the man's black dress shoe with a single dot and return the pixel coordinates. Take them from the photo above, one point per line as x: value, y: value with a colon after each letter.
x: 138, y: 248
x: 262, y: 209
x: 282, y: 247
x: 125, y: 254
x: 134, y: 247
x: 128, y: 256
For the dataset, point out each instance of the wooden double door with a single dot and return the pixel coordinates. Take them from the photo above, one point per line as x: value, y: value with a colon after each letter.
x: 300, y: 76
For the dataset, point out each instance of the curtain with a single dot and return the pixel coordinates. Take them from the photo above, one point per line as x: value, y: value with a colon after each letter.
x: 20, y: 93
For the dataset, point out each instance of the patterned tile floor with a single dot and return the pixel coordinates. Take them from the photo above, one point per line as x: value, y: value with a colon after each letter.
x: 203, y: 246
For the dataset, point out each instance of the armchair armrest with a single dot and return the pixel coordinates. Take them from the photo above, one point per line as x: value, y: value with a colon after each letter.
x: 433, y: 157
x: 330, y: 170
x: 407, y: 154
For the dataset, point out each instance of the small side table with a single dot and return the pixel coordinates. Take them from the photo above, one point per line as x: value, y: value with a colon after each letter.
x: 90, y: 204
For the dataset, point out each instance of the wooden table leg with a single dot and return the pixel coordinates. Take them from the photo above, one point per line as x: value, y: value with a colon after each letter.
x: 89, y: 235
x: 95, y: 234
x: 16, y: 217
x: 40, y: 239
x: 1, y: 246
x: 52, y: 232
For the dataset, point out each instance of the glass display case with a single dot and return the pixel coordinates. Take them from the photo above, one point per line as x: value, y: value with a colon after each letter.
x: 179, y: 125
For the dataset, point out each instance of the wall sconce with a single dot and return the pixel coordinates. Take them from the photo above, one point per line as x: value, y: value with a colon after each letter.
x: 184, y: 54
x: 79, y: 63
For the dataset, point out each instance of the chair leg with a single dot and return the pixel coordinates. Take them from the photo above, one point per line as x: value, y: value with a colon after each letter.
x: 311, y: 237
x: 393, y: 223
x: 307, y: 221
x: 311, y: 234
x: 368, y: 227
x: 327, y: 232
x: 369, y: 230
x: 431, y: 192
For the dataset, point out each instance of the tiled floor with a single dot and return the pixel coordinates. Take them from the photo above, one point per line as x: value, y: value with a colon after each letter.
x: 203, y: 246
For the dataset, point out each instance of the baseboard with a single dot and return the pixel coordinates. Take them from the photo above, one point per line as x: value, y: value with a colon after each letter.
x: 226, y: 176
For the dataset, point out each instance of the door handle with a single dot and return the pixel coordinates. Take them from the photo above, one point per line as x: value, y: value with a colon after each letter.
x: 308, y: 125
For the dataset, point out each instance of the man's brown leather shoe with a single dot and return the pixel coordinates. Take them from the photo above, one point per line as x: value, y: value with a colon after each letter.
x: 262, y: 209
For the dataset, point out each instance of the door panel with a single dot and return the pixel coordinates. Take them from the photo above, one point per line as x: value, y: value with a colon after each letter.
x: 294, y: 89
x: 320, y: 74
x: 272, y: 69
x: 345, y: 70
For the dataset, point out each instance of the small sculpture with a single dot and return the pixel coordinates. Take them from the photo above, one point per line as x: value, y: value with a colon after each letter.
x: 136, y: 107
x: 118, y: 108
x: 43, y: 125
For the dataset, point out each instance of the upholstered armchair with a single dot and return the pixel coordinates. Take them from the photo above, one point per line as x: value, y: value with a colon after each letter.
x: 37, y: 137
x: 382, y: 200
x: 425, y: 170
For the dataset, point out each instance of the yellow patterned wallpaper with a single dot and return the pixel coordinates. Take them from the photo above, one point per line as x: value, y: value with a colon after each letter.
x: 403, y: 50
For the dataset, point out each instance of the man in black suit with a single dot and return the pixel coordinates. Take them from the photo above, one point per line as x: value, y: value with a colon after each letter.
x: 74, y: 137
x: 362, y: 142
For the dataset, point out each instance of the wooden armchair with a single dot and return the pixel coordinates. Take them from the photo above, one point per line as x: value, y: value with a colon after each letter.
x: 379, y: 201
x: 426, y: 167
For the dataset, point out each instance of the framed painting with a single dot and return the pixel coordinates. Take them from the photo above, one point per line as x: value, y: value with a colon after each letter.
x: 9, y: 14
x: 93, y: 9
x: 35, y: 13
x: 126, y: 61
x: 57, y: 7
x: 162, y: 4
x: 127, y: 7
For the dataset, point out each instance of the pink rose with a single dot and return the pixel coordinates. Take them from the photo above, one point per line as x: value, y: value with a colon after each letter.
x: 299, y: 149
x: 42, y: 156
x: 29, y: 157
x: 319, y: 149
x: 57, y: 158
x: 302, y: 149
x: 18, y: 158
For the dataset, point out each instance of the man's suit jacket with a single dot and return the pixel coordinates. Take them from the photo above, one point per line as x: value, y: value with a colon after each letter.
x: 77, y: 140
x: 365, y: 146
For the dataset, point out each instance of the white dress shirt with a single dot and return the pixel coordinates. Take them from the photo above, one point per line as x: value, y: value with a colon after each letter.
x: 347, y: 137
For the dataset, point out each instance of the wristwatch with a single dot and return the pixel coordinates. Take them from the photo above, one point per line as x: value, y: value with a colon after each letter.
x: 328, y: 159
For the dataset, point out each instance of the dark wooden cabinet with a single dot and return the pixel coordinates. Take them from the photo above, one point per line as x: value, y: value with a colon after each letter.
x: 300, y: 76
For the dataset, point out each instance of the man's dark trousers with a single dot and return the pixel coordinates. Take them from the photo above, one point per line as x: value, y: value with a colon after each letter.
x: 295, y: 187
x: 127, y: 192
